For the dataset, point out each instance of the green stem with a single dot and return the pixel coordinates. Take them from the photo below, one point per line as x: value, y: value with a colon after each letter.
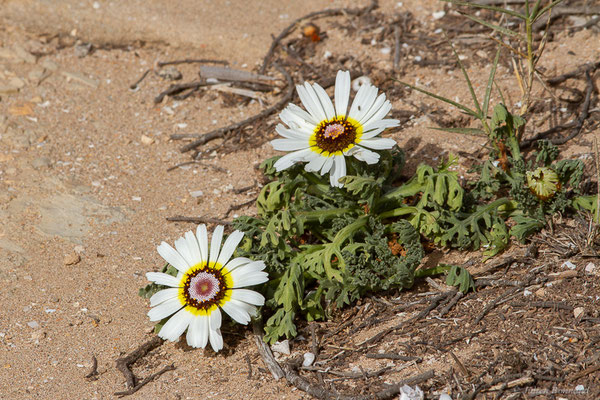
x: 324, y: 214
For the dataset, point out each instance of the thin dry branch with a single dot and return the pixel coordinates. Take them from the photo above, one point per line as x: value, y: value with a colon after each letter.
x: 221, y: 132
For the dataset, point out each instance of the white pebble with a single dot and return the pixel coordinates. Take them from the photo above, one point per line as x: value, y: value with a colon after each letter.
x: 445, y: 396
x: 568, y: 264
x: 579, y: 388
x: 282, y: 347
x: 590, y: 268
x: 385, y: 50
x: 33, y: 324
x: 309, y: 358
x: 196, y: 193
x: 526, y: 293
x: 408, y: 393
x: 96, y: 5
x: 136, y: 198
x: 327, y: 54
x: 418, y: 58
x: 578, y: 312
x: 438, y: 14
x: 358, y: 82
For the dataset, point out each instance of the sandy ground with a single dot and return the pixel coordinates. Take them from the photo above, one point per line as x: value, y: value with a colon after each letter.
x: 83, y: 199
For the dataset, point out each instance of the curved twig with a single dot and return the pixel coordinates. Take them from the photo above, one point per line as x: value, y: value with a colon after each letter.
x: 221, y: 132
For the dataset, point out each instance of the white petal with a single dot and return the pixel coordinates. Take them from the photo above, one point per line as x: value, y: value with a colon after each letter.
x: 327, y: 165
x: 290, y: 144
x: 165, y: 309
x: 202, y: 237
x: 382, y: 123
x: 214, y: 320
x: 229, y: 247
x: 237, y: 311
x: 379, y: 102
x: 290, y: 159
x: 182, y: 248
x: 315, y: 98
x: 237, y: 262
x: 371, y: 133
x: 339, y: 171
x: 368, y: 156
x: 295, y: 121
x: 216, y: 340
x: 342, y: 92
x: 163, y: 295
x: 362, y: 105
x: 243, y: 277
x: 192, y: 243
x: 316, y: 163
x: 325, y: 101
x: 248, y: 296
x: 302, y: 114
x: 161, y: 278
x: 197, y: 334
x: 215, y: 244
x: 176, y: 325
x: 382, y: 112
x: 306, y: 98
x: 289, y: 133
x: 172, y: 257
x: 378, y: 143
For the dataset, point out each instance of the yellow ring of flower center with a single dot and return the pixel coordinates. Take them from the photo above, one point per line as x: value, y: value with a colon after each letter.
x: 335, y: 136
x: 207, y: 275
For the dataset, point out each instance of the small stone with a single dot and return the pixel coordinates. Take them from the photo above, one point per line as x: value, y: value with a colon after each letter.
x: 590, y: 268
x: 445, y: 396
x: 16, y: 82
x: 568, y: 264
x: 81, y: 79
x: 41, y: 162
x: 24, y: 55
x: 282, y: 347
x: 481, y: 54
x: 578, y: 312
x: 170, y: 73
x: 526, y: 293
x: 146, y: 139
x: 83, y: 49
x: 358, y: 82
x: 7, y: 53
x: 36, y: 75
x: 196, y: 193
x: 8, y: 89
x: 438, y: 14
x: 79, y: 249
x: 50, y: 65
x: 72, y: 259
x: 540, y: 292
x: 385, y: 50
x: 38, y: 335
x: 579, y: 388
x: 309, y: 358
x: 33, y: 324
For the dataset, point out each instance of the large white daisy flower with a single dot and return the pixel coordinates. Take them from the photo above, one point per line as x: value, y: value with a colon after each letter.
x: 206, y: 282
x: 324, y: 135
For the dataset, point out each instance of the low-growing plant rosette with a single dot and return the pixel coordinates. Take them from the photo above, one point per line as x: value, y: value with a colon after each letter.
x: 205, y: 281
x: 325, y: 134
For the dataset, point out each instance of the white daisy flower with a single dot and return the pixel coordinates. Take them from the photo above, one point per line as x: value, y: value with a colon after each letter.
x: 323, y: 135
x: 206, y: 282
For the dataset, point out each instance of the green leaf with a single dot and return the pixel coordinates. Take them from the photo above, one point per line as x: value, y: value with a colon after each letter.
x: 497, y: 28
x: 486, y: 7
x: 469, y: 85
x: 464, y: 131
x: 525, y: 226
x: 444, y: 99
x: 490, y: 84
x: 459, y: 276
